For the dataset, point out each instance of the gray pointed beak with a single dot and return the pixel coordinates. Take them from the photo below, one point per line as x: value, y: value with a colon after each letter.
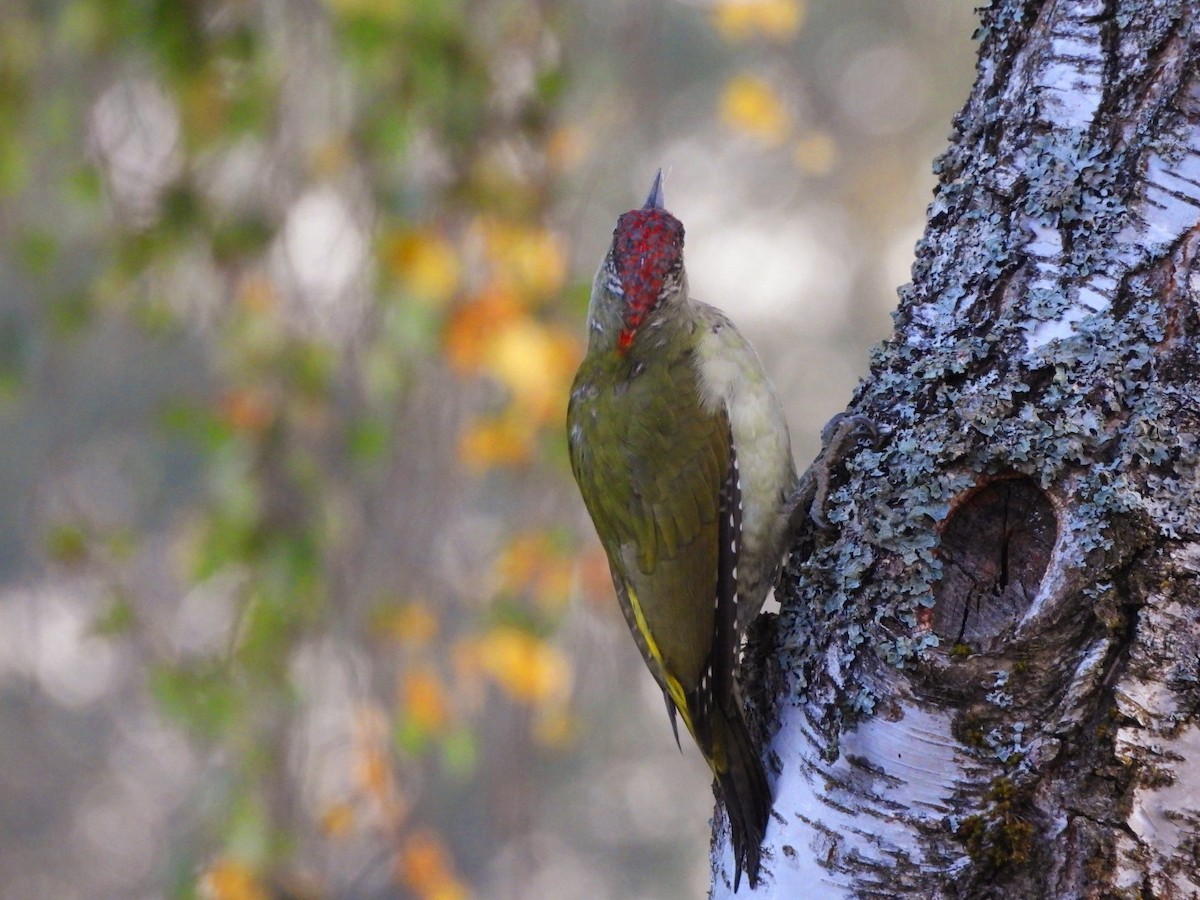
x: 656, y: 199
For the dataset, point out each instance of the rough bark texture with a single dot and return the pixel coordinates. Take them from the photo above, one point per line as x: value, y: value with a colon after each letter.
x: 984, y: 681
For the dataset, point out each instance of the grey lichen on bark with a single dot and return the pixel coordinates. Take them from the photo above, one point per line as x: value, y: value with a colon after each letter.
x: 985, y: 679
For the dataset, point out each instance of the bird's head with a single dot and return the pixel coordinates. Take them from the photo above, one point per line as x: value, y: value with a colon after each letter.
x: 642, y: 271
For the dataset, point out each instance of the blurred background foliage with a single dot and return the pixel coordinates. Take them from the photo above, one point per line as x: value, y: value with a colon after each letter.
x: 296, y: 595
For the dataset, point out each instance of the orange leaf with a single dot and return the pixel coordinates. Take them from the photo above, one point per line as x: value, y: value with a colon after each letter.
x: 424, y: 866
x: 257, y: 293
x: 594, y: 574
x: 423, y: 698
x: 531, y: 563
x: 247, y: 410
x: 229, y: 879
x: 567, y: 146
x: 373, y: 773
x: 472, y: 325
x: 554, y: 727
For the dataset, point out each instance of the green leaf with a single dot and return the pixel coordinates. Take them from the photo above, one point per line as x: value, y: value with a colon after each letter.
x: 201, y: 698
x: 84, y: 186
x: 241, y: 239
x: 14, y: 164
x: 71, y: 312
x: 550, y: 85
x: 409, y: 737
x: 119, y: 619
x: 181, y: 208
x: 248, y: 834
x: 460, y: 753
x: 67, y: 544
x: 368, y: 441
x: 38, y: 251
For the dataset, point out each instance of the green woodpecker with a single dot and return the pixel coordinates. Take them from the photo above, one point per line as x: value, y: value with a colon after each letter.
x: 682, y: 455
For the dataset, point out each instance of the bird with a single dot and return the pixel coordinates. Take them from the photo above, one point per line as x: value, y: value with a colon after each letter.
x: 680, y: 448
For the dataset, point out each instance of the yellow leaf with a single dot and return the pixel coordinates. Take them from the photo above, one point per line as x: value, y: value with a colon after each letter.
x: 536, y: 363
x: 412, y: 625
x: 554, y: 727
x: 741, y: 20
x: 337, y: 820
x: 533, y: 260
x: 815, y: 153
x: 527, y: 668
x: 426, y: 263
x: 503, y: 441
x: 531, y: 563
x: 229, y: 879
x: 566, y: 147
x: 750, y: 105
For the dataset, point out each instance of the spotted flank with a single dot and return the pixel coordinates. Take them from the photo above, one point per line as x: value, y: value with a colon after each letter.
x: 720, y: 728
x: 717, y: 677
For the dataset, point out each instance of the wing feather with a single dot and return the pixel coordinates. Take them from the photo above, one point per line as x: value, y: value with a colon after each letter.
x: 651, y: 461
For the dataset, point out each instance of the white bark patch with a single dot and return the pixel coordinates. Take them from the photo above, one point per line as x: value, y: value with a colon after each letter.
x: 1046, y: 248
x: 1169, y: 203
x: 1162, y: 743
x: 1143, y: 701
x: 1164, y: 818
x: 1072, y: 78
x: 1069, y: 86
x: 841, y: 836
x: 1166, y: 206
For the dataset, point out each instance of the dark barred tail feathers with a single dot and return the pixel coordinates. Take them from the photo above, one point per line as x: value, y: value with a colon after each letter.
x: 743, y: 786
x: 727, y: 744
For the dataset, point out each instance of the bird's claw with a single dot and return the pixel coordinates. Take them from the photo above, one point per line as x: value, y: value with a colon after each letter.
x: 811, y: 495
x: 845, y: 427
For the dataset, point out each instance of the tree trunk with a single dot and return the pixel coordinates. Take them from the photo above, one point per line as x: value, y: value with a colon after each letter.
x: 985, y: 677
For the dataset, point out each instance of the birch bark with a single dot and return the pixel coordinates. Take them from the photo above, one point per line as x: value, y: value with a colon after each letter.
x: 984, y: 682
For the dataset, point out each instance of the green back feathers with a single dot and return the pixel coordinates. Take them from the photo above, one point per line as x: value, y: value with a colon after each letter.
x: 650, y: 462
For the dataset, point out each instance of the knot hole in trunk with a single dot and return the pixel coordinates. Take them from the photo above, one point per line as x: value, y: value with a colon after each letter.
x: 995, y: 547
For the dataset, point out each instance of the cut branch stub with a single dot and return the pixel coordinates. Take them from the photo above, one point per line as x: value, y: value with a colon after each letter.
x: 995, y: 547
